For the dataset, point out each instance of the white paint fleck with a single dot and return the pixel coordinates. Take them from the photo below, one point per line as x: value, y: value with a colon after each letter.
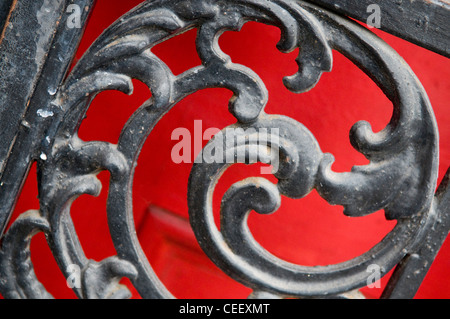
x: 44, y: 113
x: 26, y: 124
x: 52, y: 91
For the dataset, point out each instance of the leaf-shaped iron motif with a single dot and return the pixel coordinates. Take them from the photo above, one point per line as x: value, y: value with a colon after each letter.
x: 18, y: 278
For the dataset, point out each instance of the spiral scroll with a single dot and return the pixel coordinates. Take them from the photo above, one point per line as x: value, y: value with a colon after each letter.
x: 400, y: 178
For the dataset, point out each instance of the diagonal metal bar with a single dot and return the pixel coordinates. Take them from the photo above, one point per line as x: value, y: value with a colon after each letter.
x: 410, y: 273
x: 29, y: 70
x: 422, y: 22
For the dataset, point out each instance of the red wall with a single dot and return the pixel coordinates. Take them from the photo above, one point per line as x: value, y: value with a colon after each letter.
x: 307, y: 231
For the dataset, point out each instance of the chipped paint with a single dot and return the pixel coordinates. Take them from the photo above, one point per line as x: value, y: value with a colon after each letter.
x: 45, y: 18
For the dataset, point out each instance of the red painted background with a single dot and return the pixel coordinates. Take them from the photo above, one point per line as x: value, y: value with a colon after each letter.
x: 307, y: 231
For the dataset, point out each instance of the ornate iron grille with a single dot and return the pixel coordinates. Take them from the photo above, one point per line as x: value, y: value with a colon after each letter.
x: 40, y: 119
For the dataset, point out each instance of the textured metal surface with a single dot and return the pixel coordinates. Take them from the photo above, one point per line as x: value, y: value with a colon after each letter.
x: 5, y: 8
x: 33, y: 68
x: 42, y: 126
x: 423, y: 22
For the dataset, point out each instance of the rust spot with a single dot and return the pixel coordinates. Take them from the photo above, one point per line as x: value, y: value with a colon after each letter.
x: 438, y: 2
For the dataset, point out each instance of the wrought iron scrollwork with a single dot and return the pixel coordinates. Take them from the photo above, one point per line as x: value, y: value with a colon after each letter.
x: 401, y: 177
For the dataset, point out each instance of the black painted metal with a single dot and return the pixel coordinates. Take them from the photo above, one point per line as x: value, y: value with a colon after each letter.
x: 423, y: 22
x: 411, y: 271
x: 5, y: 8
x: 35, y: 54
x: 40, y: 119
